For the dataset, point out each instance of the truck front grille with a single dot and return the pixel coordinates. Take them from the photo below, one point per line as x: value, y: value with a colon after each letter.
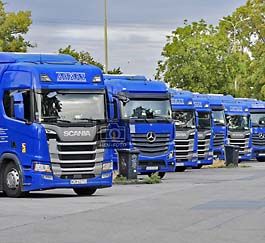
x: 258, y: 141
x: 147, y: 148
x: 203, y: 147
x: 184, y: 148
x: 218, y: 141
x: 242, y: 142
x: 75, y: 159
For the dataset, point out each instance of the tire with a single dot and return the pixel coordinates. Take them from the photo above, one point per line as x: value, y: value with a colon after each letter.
x: 180, y: 168
x: 85, y: 191
x: 161, y: 174
x: 12, y: 181
x: 260, y: 159
x: 198, y: 167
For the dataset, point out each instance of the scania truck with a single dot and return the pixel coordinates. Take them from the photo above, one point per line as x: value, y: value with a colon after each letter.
x: 52, y: 117
x: 205, y: 131
x: 239, y: 126
x: 186, y: 139
x: 142, y: 109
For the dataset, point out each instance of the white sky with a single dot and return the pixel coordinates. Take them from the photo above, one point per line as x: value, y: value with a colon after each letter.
x: 136, y: 29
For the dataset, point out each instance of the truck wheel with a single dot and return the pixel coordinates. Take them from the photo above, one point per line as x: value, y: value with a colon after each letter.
x: 180, y: 168
x: 12, y: 181
x: 261, y: 159
x: 85, y: 191
x: 198, y: 167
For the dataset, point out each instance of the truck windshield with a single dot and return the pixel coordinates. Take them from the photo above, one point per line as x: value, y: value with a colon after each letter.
x: 184, y: 119
x: 204, y: 120
x: 258, y: 119
x: 57, y: 106
x: 219, y: 118
x: 238, y: 122
x: 147, y: 109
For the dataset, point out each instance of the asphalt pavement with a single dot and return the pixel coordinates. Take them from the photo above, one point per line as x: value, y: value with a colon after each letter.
x: 207, y: 205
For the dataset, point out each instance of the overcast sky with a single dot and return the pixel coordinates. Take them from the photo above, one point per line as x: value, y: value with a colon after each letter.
x: 136, y: 29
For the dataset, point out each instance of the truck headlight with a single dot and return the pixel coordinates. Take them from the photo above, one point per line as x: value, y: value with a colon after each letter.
x: 42, y: 167
x: 107, y: 166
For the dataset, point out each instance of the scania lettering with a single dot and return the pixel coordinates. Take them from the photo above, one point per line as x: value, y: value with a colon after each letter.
x: 143, y: 113
x: 51, y: 123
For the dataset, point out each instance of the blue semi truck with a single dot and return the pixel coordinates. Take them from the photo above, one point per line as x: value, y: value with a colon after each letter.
x: 239, y: 126
x: 142, y: 110
x: 205, y: 131
x: 186, y: 139
x: 53, y: 115
x: 219, y: 125
x: 257, y: 116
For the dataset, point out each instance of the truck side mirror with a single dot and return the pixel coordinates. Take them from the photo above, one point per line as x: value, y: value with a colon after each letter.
x: 18, y: 106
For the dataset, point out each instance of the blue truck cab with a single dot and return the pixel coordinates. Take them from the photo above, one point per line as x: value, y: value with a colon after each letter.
x: 205, y: 130
x: 257, y: 115
x: 239, y: 126
x: 186, y: 139
x: 53, y: 115
x: 219, y: 125
x: 143, y: 111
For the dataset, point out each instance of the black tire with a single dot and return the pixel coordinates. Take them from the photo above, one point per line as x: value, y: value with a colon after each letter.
x: 85, y: 191
x: 12, y: 181
x: 180, y: 168
x: 198, y: 167
x: 161, y: 174
x: 261, y: 159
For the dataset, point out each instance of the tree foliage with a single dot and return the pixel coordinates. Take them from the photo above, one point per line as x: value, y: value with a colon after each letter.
x: 85, y: 57
x: 228, y: 58
x: 12, y: 27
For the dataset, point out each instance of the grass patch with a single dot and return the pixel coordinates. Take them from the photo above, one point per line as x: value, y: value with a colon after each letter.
x: 153, y: 179
x: 244, y: 166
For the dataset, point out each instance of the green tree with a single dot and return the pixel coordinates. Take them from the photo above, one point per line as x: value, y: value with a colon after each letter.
x: 85, y: 57
x: 12, y: 27
x: 250, y: 38
x: 197, y: 57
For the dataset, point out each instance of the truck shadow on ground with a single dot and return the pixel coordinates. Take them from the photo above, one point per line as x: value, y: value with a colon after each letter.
x: 43, y: 195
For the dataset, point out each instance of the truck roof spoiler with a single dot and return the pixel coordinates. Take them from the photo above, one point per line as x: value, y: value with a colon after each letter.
x: 38, y: 58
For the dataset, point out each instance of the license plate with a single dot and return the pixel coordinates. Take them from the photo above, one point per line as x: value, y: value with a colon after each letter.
x: 179, y: 164
x: 152, y: 168
x: 261, y: 154
x: 78, y: 182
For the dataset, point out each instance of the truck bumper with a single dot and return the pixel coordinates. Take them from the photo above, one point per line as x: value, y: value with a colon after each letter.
x: 41, y: 181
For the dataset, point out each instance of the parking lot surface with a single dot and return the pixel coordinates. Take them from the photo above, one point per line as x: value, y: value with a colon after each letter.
x: 207, y: 205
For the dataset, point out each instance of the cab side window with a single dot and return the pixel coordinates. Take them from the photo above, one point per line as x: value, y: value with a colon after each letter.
x: 17, y: 104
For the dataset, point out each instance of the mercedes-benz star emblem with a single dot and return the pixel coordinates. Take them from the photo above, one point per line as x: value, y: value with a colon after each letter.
x: 151, y: 137
x: 261, y: 135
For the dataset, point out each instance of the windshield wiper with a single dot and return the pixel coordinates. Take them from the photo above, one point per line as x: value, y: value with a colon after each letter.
x: 92, y: 120
x: 163, y: 117
x: 62, y: 120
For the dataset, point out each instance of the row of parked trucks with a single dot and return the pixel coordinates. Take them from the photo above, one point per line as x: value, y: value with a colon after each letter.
x: 62, y: 125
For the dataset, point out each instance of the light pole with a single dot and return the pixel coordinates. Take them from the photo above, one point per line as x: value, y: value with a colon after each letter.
x: 105, y: 37
x: 234, y: 37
